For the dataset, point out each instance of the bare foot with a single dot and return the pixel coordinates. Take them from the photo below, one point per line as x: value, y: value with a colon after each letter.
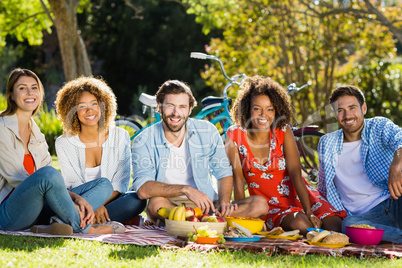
x: 101, y: 229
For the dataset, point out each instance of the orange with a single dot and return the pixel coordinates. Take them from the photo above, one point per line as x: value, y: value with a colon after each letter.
x: 198, y: 212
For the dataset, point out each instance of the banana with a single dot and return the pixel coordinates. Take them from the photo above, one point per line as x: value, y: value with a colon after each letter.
x: 164, y: 212
x: 180, y: 214
x: 172, y: 213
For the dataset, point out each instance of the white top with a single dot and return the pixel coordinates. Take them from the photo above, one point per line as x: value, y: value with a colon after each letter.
x: 115, y: 161
x: 93, y: 173
x: 179, y: 169
x: 357, y: 193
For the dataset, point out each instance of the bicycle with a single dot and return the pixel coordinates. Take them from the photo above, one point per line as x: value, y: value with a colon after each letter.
x: 307, y: 138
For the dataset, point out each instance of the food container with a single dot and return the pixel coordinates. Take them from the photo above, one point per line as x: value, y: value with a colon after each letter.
x: 254, y: 225
x: 364, y: 236
x: 207, y: 240
x: 181, y: 228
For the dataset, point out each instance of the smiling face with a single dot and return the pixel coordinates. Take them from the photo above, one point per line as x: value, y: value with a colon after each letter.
x: 175, y: 111
x: 262, y: 112
x: 26, y: 94
x: 88, y: 110
x: 350, y: 116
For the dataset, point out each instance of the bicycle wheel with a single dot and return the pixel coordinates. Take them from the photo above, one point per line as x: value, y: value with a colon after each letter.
x: 130, y: 125
x: 307, y: 144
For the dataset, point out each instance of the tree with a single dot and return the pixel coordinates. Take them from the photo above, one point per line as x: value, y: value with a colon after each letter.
x: 389, y: 15
x: 284, y: 40
x: 73, y: 50
x: 26, y: 20
x: 138, y: 57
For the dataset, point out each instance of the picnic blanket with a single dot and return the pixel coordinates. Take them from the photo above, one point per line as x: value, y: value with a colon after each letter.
x: 151, y: 235
x: 138, y: 235
x: 299, y: 247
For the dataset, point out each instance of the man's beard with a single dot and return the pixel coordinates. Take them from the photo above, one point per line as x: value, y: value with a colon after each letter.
x: 176, y: 128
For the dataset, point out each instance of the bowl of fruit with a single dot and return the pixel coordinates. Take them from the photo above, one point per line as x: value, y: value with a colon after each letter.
x: 254, y: 225
x: 364, y: 234
x: 181, y: 220
x: 204, y: 235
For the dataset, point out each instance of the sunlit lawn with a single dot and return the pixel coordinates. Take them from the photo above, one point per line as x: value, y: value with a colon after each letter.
x: 25, y: 251
x: 18, y: 251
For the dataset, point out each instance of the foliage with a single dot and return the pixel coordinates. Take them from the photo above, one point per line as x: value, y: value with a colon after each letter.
x: 50, y: 126
x: 27, y: 251
x: 137, y: 55
x: 284, y: 40
x: 32, y: 20
x: 3, y: 102
x: 26, y: 20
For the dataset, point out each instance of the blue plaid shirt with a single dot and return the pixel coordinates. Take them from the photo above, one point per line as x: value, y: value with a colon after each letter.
x: 381, y: 138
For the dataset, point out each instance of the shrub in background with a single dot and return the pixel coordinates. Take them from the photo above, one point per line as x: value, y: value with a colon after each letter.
x: 3, y: 102
x: 50, y: 126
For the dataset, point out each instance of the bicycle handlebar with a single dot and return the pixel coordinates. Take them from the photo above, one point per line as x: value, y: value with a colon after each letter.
x: 293, y: 88
x: 232, y: 80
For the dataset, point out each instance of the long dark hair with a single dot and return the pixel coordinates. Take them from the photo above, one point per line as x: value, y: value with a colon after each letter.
x: 12, y: 79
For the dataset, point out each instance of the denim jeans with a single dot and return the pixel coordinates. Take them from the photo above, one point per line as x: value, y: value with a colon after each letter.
x: 125, y: 207
x: 387, y: 215
x: 21, y: 210
x: 95, y: 192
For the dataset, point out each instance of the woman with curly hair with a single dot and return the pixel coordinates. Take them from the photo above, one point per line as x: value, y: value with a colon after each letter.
x: 263, y: 153
x: 29, y: 185
x: 91, y: 147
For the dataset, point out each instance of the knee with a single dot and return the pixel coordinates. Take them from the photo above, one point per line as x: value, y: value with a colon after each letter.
x: 350, y: 220
x: 136, y: 202
x: 105, y: 185
x: 155, y: 203
x: 300, y: 222
x: 49, y: 172
x: 259, y: 206
x: 50, y: 176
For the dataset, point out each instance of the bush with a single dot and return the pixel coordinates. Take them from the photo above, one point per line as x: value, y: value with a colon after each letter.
x: 50, y: 126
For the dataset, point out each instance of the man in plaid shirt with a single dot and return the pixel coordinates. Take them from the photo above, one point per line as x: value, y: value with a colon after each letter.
x: 361, y: 165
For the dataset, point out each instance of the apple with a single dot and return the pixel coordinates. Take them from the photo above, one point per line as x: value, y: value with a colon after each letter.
x: 193, y: 218
x: 189, y: 212
x: 220, y: 219
x: 212, y: 219
x: 205, y: 217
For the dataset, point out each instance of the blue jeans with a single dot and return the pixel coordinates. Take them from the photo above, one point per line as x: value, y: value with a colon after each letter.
x: 21, y: 210
x: 387, y: 215
x: 95, y: 192
x: 125, y: 207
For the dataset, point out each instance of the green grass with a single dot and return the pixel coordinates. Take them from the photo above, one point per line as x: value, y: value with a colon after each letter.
x: 25, y: 251
x: 16, y: 251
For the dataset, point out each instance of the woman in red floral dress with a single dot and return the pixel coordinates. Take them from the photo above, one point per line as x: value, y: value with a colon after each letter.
x: 263, y: 153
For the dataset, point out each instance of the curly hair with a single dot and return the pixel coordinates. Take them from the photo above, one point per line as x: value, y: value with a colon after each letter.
x: 68, y: 96
x: 257, y: 86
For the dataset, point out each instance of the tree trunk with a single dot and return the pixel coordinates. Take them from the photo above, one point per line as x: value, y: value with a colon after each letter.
x: 72, y: 47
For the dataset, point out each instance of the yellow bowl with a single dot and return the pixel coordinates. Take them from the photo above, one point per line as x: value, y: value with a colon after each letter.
x: 181, y: 228
x: 254, y: 225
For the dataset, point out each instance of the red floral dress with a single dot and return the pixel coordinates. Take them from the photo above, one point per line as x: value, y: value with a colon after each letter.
x: 271, y: 180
